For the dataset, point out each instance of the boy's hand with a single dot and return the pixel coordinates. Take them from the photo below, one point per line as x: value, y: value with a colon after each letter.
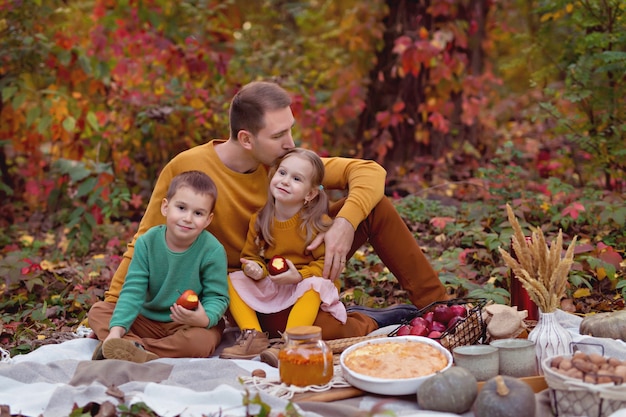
x: 116, y: 332
x: 291, y: 276
x: 196, y: 318
x: 251, y: 269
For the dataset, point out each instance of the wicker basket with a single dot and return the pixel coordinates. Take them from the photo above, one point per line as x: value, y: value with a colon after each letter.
x: 573, y: 397
x: 469, y: 331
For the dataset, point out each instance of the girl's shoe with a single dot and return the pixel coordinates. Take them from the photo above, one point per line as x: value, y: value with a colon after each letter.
x: 250, y: 344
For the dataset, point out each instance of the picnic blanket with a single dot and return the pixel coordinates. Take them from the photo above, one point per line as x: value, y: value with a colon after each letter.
x: 51, y: 380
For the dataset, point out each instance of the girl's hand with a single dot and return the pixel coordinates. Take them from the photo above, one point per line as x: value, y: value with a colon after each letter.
x: 196, y: 318
x: 251, y: 269
x: 290, y: 276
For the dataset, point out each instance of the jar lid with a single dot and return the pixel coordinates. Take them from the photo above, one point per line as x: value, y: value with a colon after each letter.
x: 304, y: 332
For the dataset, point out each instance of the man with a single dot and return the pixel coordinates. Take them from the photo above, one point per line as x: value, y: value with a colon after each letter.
x: 260, y: 132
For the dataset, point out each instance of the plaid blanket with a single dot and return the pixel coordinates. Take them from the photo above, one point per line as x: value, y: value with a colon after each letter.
x: 54, y: 378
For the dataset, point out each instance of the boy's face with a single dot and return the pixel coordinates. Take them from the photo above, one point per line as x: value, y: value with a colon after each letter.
x: 187, y: 214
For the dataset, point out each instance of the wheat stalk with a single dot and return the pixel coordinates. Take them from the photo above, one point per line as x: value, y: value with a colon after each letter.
x: 539, y: 267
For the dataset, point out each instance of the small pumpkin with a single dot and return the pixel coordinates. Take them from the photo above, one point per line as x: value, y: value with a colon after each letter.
x: 611, y: 325
x: 505, y: 396
x: 453, y: 390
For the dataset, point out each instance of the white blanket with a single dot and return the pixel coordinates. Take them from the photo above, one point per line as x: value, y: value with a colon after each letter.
x: 50, y: 380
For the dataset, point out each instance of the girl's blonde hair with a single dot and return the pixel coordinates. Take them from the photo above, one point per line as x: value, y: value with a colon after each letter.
x: 314, y: 214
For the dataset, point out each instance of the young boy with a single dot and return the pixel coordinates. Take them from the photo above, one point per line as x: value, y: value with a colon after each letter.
x: 170, y: 259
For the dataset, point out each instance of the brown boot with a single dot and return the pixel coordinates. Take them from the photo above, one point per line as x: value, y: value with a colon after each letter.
x: 270, y: 356
x: 249, y: 345
x: 126, y: 350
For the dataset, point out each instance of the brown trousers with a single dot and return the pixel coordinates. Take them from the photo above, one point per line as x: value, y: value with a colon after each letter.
x: 167, y: 340
x: 395, y: 245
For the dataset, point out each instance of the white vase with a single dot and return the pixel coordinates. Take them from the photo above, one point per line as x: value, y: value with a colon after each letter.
x: 550, y: 337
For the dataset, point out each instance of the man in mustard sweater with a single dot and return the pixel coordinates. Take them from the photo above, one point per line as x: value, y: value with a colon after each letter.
x: 260, y: 132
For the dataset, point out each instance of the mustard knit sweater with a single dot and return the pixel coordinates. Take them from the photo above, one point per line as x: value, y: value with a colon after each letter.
x: 288, y: 243
x: 241, y: 195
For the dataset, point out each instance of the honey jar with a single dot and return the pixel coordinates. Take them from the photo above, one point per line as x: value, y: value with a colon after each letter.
x: 305, y: 359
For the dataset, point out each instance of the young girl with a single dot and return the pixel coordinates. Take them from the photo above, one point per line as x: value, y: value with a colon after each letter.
x: 295, y: 212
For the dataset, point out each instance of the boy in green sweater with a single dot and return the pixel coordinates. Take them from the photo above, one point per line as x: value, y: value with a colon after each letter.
x: 169, y: 259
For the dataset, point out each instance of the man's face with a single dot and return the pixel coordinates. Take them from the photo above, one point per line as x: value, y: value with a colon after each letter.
x: 274, y: 140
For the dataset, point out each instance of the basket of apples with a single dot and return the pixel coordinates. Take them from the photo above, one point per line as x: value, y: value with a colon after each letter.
x: 453, y: 323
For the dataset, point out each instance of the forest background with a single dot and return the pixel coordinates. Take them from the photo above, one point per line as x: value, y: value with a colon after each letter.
x: 468, y: 104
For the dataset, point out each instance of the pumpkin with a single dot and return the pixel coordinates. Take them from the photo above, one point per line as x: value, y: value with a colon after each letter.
x: 453, y: 390
x: 611, y: 325
x: 505, y: 396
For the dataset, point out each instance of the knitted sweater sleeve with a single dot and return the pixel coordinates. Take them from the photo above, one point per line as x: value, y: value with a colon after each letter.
x: 364, y: 180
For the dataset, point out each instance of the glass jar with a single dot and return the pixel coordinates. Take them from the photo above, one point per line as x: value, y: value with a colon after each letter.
x: 305, y: 358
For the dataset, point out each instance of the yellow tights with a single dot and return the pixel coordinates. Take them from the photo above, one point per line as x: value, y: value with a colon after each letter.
x: 303, y: 313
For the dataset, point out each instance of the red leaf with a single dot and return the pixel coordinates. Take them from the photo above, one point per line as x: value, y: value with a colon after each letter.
x: 136, y: 201
x: 441, y: 222
x: 610, y: 256
x: 439, y: 122
x: 573, y: 209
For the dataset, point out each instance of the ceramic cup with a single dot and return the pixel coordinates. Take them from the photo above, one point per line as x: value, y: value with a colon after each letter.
x: 481, y: 360
x: 517, y: 357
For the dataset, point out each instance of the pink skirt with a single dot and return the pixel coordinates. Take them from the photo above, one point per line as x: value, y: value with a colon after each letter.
x: 264, y: 296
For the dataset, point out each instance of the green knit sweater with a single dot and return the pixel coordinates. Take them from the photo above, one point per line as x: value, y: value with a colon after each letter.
x: 157, y: 276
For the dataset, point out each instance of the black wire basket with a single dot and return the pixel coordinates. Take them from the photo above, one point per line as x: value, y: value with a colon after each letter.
x: 468, y: 330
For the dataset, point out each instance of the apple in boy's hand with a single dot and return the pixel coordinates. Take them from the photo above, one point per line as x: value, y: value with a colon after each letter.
x: 277, y: 265
x: 188, y: 299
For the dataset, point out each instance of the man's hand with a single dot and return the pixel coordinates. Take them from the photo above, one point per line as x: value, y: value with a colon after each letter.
x: 338, y: 240
x: 290, y: 276
x: 196, y: 318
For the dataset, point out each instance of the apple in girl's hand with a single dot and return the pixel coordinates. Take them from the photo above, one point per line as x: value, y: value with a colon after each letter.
x: 277, y: 265
x: 188, y: 299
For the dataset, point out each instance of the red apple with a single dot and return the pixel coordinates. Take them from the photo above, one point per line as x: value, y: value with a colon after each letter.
x: 429, y: 317
x: 277, y: 265
x: 438, y: 326
x: 458, y: 310
x: 442, y: 313
x: 404, y: 330
x: 419, y: 330
x: 420, y: 321
x: 188, y: 299
x: 453, y: 322
x: 434, y: 334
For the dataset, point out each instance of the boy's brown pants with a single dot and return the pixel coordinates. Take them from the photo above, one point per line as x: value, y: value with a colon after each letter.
x: 167, y: 340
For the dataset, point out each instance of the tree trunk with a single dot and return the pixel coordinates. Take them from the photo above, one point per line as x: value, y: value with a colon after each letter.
x: 414, y: 140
